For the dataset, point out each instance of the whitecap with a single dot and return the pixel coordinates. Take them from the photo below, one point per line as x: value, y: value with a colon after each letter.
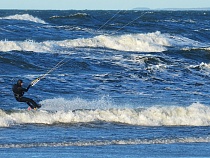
x: 25, y: 17
x: 82, y: 111
x: 149, y: 42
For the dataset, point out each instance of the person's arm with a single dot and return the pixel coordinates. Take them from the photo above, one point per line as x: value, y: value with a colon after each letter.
x: 28, y: 87
x: 25, y: 89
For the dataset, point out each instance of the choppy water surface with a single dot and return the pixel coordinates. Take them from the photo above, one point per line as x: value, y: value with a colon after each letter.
x: 129, y: 83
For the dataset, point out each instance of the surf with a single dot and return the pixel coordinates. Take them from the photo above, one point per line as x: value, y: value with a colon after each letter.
x: 187, y: 140
x: 67, y: 113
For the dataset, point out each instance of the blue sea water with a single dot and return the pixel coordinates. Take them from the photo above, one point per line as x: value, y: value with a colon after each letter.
x: 124, y: 83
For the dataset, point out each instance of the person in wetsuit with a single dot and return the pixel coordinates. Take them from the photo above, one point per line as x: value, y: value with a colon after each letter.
x: 18, y: 91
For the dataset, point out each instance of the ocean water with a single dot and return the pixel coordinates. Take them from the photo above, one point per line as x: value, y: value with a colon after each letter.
x: 117, y: 83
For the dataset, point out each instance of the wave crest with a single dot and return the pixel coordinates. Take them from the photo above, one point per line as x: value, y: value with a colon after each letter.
x: 76, y: 15
x: 151, y: 42
x: 25, y: 17
x: 194, y: 115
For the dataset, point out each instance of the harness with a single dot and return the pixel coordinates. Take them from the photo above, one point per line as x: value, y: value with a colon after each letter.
x: 17, y: 95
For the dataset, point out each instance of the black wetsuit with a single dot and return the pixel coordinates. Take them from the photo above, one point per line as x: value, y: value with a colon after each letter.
x: 18, y: 91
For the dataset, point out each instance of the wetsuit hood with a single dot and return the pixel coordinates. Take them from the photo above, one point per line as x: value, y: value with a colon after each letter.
x: 19, y: 83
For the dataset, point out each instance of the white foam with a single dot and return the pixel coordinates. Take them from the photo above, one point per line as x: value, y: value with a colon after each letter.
x: 108, y: 142
x: 25, y: 17
x: 185, y: 43
x: 91, y: 111
x: 204, y: 66
x: 5, y: 120
x: 151, y: 42
x: 207, y: 48
x: 27, y: 45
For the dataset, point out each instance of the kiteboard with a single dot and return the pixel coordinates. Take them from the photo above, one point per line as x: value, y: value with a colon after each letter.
x: 39, y: 106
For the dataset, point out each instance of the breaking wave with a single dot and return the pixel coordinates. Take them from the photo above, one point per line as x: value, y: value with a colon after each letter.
x: 100, y: 111
x: 149, y: 42
x: 25, y: 17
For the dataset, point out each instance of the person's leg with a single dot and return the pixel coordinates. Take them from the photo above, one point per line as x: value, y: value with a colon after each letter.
x: 30, y: 102
x: 30, y: 105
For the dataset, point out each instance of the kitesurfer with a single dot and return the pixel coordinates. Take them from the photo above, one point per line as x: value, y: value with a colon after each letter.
x: 18, y: 91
